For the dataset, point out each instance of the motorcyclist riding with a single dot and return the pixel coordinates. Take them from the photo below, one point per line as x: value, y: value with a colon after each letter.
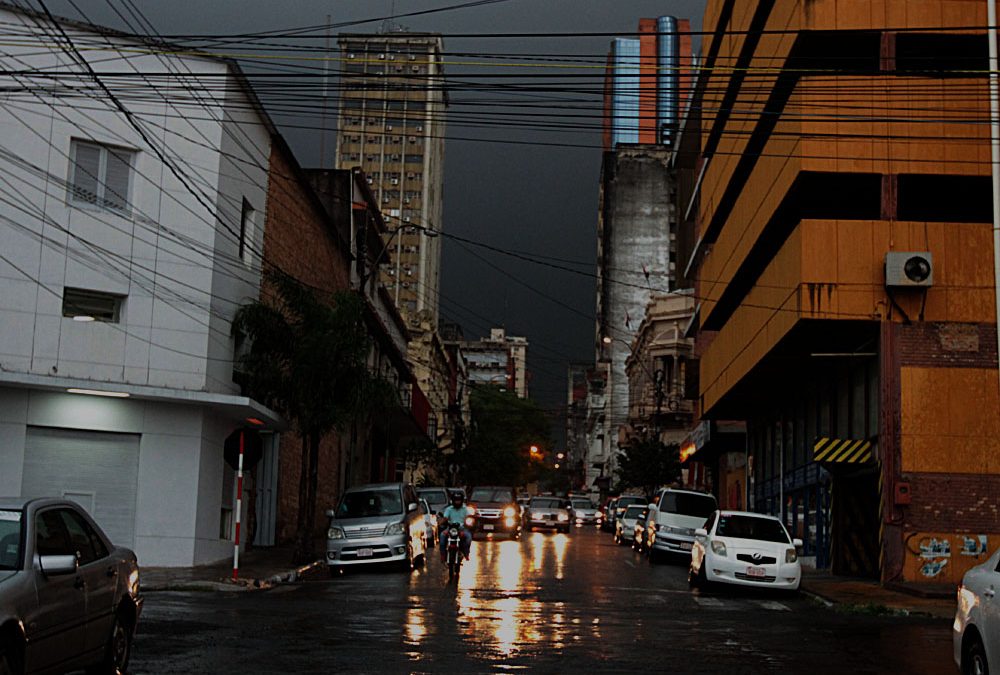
x: 455, y: 514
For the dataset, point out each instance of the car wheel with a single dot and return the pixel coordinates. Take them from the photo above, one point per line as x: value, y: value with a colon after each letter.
x: 117, y: 650
x: 974, y: 658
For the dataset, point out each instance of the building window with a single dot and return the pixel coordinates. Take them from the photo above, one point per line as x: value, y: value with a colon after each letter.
x: 100, y: 175
x: 246, y: 232
x: 84, y: 305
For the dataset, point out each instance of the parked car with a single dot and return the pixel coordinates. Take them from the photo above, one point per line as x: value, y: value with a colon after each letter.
x: 69, y: 598
x: 430, y: 522
x: 608, y: 511
x: 495, y: 511
x: 584, y: 511
x: 745, y: 549
x: 376, y: 523
x: 622, y: 503
x: 549, y: 513
x: 639, y: 531
x: 625, y: 524
x: 673, y: 517
x: 976, y: 630
x: 437, y: 498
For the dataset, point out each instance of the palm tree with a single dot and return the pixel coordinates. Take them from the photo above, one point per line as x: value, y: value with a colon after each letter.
x: 307, y: 360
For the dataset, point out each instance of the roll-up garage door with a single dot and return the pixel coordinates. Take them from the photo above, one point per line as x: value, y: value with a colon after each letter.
x: 97, y: 470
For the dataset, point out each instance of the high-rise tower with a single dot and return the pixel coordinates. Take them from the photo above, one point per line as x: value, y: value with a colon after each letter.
x: 391, y: 123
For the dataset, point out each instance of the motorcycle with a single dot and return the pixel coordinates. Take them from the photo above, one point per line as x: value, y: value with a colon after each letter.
x: 454, y: 551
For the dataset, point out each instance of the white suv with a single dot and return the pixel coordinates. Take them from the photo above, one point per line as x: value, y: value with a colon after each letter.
x: 674, y: 515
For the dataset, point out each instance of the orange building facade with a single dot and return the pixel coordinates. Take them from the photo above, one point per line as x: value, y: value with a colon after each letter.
x: 833, y: 134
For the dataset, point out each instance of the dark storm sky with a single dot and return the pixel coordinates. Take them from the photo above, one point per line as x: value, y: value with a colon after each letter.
x: 530, y: 198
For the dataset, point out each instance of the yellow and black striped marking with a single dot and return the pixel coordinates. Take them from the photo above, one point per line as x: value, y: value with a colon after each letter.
x: 843, y: 451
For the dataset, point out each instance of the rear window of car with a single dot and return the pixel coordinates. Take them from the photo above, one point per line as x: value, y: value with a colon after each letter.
x: 634, y: 512
x: 10, y: 539
x: 487, y: 495
x: 750, y: 527
x: 685, y: 504
x: 370, y: 503
x: 628, y: 501
x: 546, y: 503
x: 434, y: 496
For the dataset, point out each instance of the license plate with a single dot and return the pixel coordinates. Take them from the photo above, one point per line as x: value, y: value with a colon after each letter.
x: 685, y: 546
x: 364, y: 553
x: 756, y: 572
x: 487, y: 528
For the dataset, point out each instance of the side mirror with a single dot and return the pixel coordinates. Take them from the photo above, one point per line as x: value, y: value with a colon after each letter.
x: 57, y: 565
x: 797, y: 543
x: 650, y: 506
x: 411, y: 507
x: 701, y: 532
x: 330, y: 513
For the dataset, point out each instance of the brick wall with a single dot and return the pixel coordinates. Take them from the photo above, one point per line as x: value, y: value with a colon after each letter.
x: 300, y: 240
x: 953, y: 503
x: 953, y: 345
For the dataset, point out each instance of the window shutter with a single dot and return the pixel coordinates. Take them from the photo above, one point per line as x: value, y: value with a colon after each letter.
x: 116, y: 182
x: 86, y: 169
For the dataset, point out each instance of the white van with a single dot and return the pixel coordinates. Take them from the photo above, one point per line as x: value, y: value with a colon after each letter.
x: 674, y: 515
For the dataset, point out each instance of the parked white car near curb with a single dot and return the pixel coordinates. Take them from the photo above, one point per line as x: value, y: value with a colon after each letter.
x: 976, y: 631
x: 746, y: 549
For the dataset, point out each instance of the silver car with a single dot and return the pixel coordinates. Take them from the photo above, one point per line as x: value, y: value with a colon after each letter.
x: 548, y: 512
x: 377, y: 523
x: 69, y: 598
x: 626, y: 522
x: 584, y: 512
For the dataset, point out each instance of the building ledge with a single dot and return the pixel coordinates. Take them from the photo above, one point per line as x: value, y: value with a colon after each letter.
x: 235, y: 406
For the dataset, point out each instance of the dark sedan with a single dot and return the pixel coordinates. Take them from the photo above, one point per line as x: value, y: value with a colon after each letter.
x: 69, y: 598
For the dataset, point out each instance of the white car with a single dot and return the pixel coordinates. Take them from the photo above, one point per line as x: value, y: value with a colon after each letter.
x: 746, y: 549
x: 976, y: 631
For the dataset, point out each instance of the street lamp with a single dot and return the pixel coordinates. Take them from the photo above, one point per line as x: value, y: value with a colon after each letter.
x: 560, y: 455
x: 534, y: 450
x: 426, y: 231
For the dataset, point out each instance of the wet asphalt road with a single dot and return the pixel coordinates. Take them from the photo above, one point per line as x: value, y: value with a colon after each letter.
x: 547, y: 603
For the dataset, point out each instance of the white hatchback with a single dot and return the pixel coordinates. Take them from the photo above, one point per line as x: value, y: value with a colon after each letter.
x: 976, y: 631
x: 746, y: 549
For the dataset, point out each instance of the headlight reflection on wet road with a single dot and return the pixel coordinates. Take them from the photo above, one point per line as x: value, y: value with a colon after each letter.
x: 496, y: 569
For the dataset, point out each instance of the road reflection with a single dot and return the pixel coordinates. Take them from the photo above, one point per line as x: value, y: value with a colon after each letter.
x: 494, y: 593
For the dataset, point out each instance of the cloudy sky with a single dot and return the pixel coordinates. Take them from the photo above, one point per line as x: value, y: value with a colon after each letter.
x: 530, y: 196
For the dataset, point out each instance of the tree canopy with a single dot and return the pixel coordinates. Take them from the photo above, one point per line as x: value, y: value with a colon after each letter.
x: 504, y: 427
x: 648, y: 464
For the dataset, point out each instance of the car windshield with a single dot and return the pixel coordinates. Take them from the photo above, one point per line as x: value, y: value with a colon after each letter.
x: 634, y: 512
x: 582, y: 504
x: 686, y: 504
x: 546, y: 503
x: 628, y: 501
x: 370, y: 503
x: 10, y: 539
x: 491, y: 495
x: 434, y: 497
x: 750, y: 527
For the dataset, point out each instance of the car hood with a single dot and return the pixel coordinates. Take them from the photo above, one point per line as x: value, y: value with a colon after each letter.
x: 491, y: 505
x: 374, y: 522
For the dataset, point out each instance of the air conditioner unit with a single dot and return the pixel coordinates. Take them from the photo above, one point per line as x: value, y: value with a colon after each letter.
x: 382, y: 56
x: 388, y: 127
x: 395, y: 181
x: 909, y: 269
x: 406, y: 219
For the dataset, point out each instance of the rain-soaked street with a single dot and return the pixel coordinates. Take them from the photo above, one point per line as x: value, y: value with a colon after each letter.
x: 547, y: 603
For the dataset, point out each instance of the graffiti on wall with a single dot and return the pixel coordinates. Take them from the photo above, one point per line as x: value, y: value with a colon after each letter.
x: 935, y: 552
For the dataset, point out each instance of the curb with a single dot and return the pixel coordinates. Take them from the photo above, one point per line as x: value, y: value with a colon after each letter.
x: 229, y: 586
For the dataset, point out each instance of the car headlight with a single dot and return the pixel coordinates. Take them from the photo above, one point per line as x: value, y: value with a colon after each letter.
x: 791, y: 555
x: 719, y: 548
x: 509, y: 512
x: 472, y: 510
x: 395, y: 528
x: 470, y: 521
x: 563, y: 517
x: 335, y: 533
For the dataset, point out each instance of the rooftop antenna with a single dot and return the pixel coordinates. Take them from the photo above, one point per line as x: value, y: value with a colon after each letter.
x: 389, y: 25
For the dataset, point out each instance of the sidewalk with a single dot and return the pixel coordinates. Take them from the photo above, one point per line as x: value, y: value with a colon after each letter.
x: 868, y: 596
x: 259, y: 568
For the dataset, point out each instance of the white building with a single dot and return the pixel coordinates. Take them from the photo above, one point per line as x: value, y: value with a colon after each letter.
x: 127, y: 242
x: 500, y: 360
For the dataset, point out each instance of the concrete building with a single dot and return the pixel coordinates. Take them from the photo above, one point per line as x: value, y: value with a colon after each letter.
x: 499, y: 360
x: 577, y: 386
x: 392, y: 124
x: 636, y: 209
x: 845, y: 277
x: 126, y: 246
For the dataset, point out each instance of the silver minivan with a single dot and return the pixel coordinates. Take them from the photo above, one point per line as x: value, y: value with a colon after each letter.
x: 377, y: 523
x: 674, y: 515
